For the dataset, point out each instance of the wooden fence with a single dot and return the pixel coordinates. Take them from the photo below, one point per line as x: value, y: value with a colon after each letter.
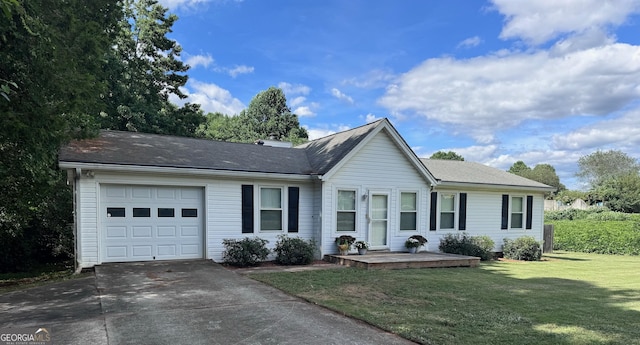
x: 547, y: 246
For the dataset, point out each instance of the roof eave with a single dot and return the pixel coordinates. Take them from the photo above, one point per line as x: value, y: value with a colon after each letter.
x: 181, y: 171
x: 494, y: 187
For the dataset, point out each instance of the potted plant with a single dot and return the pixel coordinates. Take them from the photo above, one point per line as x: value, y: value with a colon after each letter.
x: 414, y: 242
x: 362, y: 247
x: 344, y: 243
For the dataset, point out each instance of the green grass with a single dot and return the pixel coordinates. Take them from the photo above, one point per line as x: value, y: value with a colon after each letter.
x: 37, y: 276
x: 570, y: 298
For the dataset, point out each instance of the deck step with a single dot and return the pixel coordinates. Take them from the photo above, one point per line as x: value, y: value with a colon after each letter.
x: 398, y: 260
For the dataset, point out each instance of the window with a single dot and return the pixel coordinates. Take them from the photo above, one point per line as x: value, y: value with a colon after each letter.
x: 346, y: 210
x: 115, y: 212
x: 189, y: 212
x: 517, y: 212
x: 141, y: 212
x: 166, y: 213
x: 408, y: 211
x: 270, y: 209
x: 447, y: 211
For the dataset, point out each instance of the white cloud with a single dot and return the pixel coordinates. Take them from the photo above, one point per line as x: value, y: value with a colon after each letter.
x: 315, y: 133
x: 189, y: 4
x: 294, y: 89
x: 373, y: 79
x: 304, y: 111
x: 211, y: 97
x: 370, y: 118
x: 539, y: 21
x: 199, y: 60
x: 470, y: 42
x: 341, y: 96
x: 622, y: 132
x: 242, y: 69
x: 297, y: 101
x: 485, y: 94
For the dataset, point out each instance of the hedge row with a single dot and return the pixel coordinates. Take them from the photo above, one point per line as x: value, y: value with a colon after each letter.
x: 594, y: 236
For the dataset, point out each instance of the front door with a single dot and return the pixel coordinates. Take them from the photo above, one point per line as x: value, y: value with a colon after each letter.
x: 379, y: 220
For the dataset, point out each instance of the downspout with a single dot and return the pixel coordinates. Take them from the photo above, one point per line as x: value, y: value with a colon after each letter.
x: 76, y: 180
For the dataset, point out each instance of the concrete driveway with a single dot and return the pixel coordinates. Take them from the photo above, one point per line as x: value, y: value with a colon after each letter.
x: 182, y: 302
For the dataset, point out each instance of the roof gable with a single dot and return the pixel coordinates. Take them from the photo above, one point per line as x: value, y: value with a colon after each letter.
x: 463, y: 172
x: 328, y: 154
x: 325, y: 153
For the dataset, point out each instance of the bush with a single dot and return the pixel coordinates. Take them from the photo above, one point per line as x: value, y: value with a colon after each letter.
x: 602, y: 237
x: 463, y: 244
x: 609, y: 215
x: 294, y: 251
x: 524, y: 248
x: 567, y: 214
x: 245, y: 252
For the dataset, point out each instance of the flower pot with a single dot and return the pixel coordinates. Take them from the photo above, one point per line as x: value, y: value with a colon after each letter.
x: 362, y: 251
x: 413, y: 250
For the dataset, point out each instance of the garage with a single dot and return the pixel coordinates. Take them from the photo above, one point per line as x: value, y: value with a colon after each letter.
x: 145, y: 223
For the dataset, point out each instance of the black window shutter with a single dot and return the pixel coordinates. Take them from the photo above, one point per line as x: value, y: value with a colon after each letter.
x: 294, y: 198
x: 505, y: 211
x: 247, y: 209
x: 433, y: 213
x: 462, y: 216
x: 529, y: 211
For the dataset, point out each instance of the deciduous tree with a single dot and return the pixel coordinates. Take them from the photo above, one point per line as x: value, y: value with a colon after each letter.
x: 601, y: 166
x: 449, y: 155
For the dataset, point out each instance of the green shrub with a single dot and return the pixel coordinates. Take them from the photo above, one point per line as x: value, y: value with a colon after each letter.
x: 463, y: 244
x: 525, y: 248
x: 592, y: 236
x: 608, y: 215
x: 294, y: 251
x: 245, y: 252
x: 568, y: 214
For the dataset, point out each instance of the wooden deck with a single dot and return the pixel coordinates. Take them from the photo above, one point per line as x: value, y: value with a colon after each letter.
x: 397, y: 260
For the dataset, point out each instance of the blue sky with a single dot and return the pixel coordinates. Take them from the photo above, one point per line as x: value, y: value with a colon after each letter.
x: 545, y: 81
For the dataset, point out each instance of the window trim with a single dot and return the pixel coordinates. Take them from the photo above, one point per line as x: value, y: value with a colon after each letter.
x: 455, y: 210
x: 354, y: 211
x: 522, y: 212
x: 259, y: 209
x: 417, y: 210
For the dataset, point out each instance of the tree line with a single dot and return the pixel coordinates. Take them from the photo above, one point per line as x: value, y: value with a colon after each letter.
x: 72, y: 67
x: 610, y: 177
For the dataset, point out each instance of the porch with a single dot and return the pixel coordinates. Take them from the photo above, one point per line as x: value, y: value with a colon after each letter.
x: 396, y: 260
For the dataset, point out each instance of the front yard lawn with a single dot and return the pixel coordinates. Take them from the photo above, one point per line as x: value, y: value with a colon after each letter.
x: 569, y: 298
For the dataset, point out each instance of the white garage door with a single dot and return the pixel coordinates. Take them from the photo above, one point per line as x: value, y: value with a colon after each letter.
x: 143, y: 223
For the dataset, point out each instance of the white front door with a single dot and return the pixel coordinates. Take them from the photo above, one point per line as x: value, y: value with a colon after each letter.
x: 379, y: 220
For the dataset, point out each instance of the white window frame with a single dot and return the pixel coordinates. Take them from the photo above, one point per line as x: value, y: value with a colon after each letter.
x: 282, y: 209
x: 354, y: 211
x: 456, y: 201
x: 400, y: 211
x: 522, y: 212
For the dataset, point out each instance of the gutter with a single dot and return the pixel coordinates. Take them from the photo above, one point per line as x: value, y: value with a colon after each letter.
x: 488, y: 186
x: 186, y: 171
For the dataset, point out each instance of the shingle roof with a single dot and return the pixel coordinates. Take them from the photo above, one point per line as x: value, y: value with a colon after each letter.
x: 326, y: 152
x: 132, y: 148
x: 476, y: 173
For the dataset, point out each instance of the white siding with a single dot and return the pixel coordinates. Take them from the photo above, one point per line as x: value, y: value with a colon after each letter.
x: 380, y: 166
x: 222, y: 202
x: 87, y: 199
x: 484, y: 215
